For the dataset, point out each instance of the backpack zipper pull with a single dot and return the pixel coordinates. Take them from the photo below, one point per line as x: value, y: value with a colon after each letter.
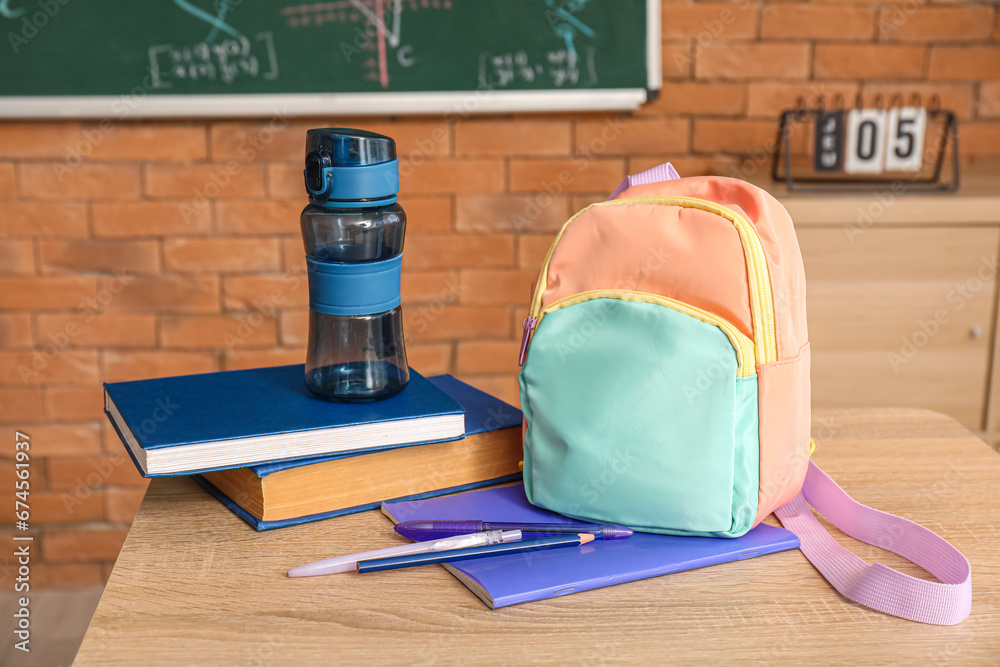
x: 528, y: 323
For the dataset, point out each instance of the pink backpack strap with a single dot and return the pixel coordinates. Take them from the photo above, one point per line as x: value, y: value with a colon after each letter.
x: 877, y: 586
x: 661, y: 172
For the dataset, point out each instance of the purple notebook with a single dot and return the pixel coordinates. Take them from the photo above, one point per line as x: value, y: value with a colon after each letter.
x: 502, y: 581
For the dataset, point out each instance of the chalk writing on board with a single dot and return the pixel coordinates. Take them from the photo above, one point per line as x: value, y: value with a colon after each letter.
x: 561, y: 68
x: 223, y: 7
x: 377, y: 34
x: 226, y: 60
x: 7, y: 12
x: 566, y: 25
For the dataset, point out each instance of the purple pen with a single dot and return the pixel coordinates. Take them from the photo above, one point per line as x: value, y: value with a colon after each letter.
x: 429, y: 529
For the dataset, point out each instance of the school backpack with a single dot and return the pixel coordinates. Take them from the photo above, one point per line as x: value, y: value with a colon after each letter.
x: 665, y: 386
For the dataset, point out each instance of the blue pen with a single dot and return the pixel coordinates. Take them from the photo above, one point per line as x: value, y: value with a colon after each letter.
x: 399, y: 562
x: 428, y: 529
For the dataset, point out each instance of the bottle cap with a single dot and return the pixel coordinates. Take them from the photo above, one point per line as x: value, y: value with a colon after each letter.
x: 351, y: 166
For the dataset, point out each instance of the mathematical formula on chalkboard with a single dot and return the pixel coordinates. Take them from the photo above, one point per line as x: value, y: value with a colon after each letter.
x: 224, y: 61
x: 337, y: 48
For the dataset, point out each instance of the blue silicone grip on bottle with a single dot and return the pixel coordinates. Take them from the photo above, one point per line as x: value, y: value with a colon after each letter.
x: 337, y: 288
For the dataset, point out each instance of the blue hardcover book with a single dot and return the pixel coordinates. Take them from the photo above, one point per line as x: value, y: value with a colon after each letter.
x: 286, y: 493
x: 483, y: 413
x: 502, y: 581
x: 214, y: 421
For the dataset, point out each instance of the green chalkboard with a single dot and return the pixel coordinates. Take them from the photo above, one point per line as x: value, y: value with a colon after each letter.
x: 108, y: 48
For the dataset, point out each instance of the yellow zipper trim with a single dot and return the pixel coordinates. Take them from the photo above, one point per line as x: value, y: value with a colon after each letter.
x: 761, y: 302
x: 743, y: 345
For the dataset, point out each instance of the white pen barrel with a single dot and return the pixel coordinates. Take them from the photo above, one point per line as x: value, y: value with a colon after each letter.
x: 349, y: 563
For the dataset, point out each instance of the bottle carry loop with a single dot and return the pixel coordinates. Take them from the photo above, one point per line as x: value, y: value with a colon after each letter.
x: 875, y: 585
x: 367, y: 185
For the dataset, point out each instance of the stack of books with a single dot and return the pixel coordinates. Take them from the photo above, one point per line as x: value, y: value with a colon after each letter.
x: 277, y: 455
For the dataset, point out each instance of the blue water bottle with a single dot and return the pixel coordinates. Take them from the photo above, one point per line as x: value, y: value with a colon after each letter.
x: 353, y: 233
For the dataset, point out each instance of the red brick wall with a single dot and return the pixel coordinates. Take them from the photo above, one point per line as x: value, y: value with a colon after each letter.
x: 173, y: 247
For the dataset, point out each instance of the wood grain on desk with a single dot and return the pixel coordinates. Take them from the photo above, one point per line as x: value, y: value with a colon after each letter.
x: 195, y: 585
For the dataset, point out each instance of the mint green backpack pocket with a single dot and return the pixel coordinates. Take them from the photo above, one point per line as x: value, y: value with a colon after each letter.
x: 668, y: 374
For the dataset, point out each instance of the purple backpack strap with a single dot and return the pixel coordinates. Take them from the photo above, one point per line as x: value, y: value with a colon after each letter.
x: 877, y: 586
x: 661, y: 172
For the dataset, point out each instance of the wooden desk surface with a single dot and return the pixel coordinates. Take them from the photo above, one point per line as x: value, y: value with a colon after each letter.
x: 196, y: 585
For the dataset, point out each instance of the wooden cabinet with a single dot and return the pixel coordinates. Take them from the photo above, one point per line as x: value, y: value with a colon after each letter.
x: 900, y: 317
x: 903, y: 313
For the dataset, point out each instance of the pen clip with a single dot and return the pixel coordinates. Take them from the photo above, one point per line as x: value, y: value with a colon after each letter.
x: 472, y: 540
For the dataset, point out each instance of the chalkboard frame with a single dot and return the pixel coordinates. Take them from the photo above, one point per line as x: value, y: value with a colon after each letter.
x: 379, y: 103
